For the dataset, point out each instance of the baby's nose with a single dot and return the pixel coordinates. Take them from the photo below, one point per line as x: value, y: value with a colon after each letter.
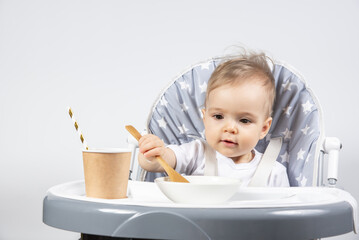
x: 231, y: 127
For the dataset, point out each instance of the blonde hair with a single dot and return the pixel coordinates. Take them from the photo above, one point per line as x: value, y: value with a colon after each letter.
x: 242, y: 68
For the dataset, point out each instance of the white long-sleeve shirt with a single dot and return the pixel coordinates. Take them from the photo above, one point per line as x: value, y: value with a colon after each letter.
x: 191, y: 161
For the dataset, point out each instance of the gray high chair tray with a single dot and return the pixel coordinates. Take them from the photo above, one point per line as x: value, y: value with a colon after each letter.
x: 253, y: 213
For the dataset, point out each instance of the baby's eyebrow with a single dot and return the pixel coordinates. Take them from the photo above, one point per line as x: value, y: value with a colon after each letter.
x: 247, y: 114
x: 215, y: 109
x: 239, y: 113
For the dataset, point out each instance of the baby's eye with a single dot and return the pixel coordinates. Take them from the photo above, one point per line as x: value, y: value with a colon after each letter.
x: 244, y: 120
x: 218, y: 116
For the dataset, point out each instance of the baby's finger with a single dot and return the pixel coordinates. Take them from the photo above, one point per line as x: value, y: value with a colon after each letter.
x: 146, y: 146
x: 149, y: 143
x: 146, y: 138
x: 142, y: 139
x: 152, y: 153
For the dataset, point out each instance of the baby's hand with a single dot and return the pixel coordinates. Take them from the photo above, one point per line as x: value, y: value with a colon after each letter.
x: 151, y: 146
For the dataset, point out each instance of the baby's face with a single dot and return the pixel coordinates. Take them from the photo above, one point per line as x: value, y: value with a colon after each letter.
x: 235, y: 119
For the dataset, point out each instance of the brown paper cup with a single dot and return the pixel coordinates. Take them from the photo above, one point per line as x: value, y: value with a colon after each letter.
x: 106, y: 172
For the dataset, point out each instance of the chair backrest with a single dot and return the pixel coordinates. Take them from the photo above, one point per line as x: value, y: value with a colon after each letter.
x: 176, y: 118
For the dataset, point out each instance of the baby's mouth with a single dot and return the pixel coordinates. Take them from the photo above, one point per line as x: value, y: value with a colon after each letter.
x: 228, y: 142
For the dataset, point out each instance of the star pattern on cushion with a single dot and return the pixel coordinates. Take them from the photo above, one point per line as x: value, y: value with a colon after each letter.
x: 182, y: 129
x: 286, y: 110
x: 307, y: 107
x: 162, y: 123
x: 287, y: 86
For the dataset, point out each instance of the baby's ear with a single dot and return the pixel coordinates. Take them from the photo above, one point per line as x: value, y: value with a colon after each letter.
x: 266, y: 126
x: 203, y: 110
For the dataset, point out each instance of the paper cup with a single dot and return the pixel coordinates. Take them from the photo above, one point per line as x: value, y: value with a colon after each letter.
x: 106, y: 172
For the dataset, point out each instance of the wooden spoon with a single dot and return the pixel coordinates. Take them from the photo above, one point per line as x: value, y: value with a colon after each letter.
x: 174, y: 176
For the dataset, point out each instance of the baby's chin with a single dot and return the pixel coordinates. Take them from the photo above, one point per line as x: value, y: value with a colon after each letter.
x: 228, y: 155
x: 235, y: 157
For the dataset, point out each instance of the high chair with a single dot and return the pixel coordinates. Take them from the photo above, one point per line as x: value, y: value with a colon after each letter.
x: 312, y: 208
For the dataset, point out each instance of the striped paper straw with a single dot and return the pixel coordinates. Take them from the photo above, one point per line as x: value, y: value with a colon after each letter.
x: 84, y: 144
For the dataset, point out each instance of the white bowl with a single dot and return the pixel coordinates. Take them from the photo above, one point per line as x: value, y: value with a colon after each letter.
x: 200, y: 189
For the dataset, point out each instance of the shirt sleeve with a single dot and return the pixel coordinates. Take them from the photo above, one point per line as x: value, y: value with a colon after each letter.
x: 189, y: 157
x: 279, y: 176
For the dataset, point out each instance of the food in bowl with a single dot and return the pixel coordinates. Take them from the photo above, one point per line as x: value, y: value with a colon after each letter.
x: 200, y: 189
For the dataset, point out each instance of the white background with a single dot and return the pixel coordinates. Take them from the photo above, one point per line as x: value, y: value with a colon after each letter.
x: 110, y: 59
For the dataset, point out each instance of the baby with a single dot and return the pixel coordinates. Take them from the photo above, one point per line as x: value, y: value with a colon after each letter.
x: 236, y: 115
